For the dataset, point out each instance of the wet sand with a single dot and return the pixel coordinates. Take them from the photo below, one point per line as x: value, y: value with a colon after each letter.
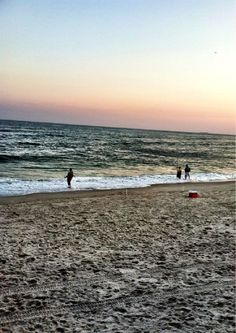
x: 141, y: 260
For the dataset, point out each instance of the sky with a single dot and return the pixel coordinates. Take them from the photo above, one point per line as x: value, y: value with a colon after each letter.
x: 154, y: 64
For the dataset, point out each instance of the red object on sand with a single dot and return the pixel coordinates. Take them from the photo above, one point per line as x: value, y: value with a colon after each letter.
x: 193, y: 194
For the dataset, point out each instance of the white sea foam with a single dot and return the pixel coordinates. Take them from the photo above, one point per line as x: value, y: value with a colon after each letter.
x: 9, y: 186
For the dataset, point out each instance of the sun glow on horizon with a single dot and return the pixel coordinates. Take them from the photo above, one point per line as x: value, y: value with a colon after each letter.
x: 118, y: 72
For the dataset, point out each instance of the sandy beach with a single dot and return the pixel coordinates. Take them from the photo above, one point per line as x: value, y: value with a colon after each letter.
x: 137, y: 260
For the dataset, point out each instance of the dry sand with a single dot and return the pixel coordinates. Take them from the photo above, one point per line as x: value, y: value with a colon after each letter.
x: 146, y: 260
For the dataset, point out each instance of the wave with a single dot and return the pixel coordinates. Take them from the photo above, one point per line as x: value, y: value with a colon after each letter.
x: 171, y: 153
x: 11, y: 186
x: 29, y: 144
x: 7, y: 130
x: 28, y: 158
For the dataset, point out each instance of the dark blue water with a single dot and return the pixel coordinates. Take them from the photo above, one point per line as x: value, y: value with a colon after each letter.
x: 35, y: 156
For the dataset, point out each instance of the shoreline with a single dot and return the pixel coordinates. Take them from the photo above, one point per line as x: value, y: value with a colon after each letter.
x: 45, y: 196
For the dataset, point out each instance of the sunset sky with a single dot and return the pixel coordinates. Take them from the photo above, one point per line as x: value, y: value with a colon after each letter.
x: 158, y: 64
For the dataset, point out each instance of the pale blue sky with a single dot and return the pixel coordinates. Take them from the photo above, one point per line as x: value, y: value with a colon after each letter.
x: 110, y: 26
x: 138, y: 44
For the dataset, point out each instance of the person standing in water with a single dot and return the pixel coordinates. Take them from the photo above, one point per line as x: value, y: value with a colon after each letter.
x: 187, y: 171
x: 179, y: 172
x: 69, y: 177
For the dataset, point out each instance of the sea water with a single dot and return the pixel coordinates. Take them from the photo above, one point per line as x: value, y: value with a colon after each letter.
x: 35, y: 157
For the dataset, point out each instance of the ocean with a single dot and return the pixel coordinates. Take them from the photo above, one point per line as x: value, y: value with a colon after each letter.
x: 35, y: 157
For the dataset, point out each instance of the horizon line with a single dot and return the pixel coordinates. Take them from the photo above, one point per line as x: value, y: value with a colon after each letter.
x: 117, y: 127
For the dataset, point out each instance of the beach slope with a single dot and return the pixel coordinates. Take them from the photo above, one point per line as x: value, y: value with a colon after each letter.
x: 138, y: 260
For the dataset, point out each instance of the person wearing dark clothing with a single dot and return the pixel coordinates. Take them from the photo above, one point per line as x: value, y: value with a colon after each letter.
x: 179, y: 172
x: 187, y: 171
x: 69, y: 177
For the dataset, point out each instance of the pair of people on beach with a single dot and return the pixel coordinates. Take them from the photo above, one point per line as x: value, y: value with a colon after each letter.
x: 186, y: 172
